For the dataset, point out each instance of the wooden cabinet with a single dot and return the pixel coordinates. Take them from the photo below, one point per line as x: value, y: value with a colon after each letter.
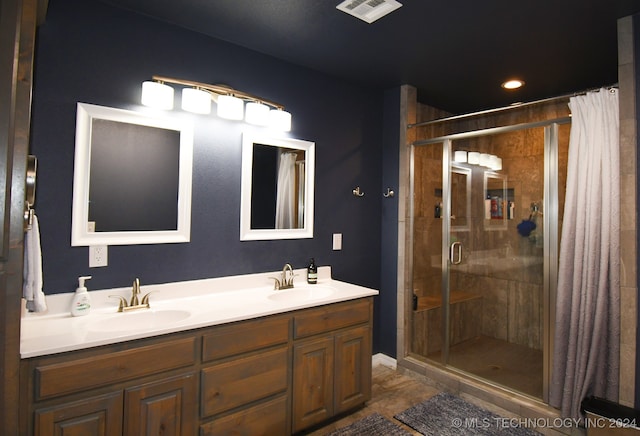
x: 100, y: 415
x: 268, y: 376
x: 164, y: 407
x: 332, y: 364
x: 117, y: 390
x: 245, y: 383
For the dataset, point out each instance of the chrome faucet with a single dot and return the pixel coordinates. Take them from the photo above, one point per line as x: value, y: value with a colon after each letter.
x: 284, y: 282
x: 134, y: 303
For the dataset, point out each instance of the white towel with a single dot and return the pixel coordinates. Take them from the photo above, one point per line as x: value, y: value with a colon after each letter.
x: 32, y: 274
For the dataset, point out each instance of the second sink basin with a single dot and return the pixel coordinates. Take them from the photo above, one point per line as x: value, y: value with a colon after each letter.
x: 144, y: 319
x: 303, y: 293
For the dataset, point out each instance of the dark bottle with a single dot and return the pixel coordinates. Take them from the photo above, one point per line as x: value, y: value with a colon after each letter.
x: 312, y: 272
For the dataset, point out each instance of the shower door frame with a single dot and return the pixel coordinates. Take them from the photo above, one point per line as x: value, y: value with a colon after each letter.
x: 550, y: 235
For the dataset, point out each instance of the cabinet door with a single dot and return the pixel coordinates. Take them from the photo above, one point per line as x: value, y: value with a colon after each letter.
x: 97, y: 416
x: 166, y: 407
x: 352, y: 368
x: 312, y: 382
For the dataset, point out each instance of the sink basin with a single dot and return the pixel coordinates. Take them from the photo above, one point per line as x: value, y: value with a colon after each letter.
x: 304, y: 293
x: 144, y: 319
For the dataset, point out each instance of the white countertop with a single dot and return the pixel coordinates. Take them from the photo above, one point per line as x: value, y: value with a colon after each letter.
x: 190, y: 304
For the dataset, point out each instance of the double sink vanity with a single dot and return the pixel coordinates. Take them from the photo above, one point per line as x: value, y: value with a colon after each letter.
x: 217, y: 356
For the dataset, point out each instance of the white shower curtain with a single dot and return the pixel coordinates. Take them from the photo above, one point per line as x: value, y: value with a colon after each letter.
x: 286, y: 191
x: 587, y: 331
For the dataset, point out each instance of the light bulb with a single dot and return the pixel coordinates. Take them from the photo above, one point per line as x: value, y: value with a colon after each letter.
x: 230, y: 107
x: 157, y: 95
x: 196, y: 101
x: 280, y: 120
x: 257, y: 113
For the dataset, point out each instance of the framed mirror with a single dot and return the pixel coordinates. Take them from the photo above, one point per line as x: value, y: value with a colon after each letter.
x: 277, y: 188
x: 132, y: 178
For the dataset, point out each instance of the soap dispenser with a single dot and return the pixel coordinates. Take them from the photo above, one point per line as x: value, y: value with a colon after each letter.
x: 81, y: 303
x: 312, y: 272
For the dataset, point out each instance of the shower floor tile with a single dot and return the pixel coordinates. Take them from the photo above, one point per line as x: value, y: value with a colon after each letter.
x: 511, y: 365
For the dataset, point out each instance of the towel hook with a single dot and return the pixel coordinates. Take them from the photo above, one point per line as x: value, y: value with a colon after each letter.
x: 389, y: 193
x: 357, y: 192
x: 30, y: 194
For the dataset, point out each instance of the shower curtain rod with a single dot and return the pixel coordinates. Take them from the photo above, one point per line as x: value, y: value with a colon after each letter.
x: 511, y: 106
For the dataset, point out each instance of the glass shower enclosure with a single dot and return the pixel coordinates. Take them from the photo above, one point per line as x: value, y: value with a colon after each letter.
x: 486, y: 208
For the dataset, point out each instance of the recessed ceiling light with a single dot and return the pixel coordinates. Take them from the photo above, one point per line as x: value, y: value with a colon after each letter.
x: 513, y: 84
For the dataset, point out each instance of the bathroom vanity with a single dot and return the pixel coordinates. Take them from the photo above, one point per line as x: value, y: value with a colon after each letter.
x: 296, y: 362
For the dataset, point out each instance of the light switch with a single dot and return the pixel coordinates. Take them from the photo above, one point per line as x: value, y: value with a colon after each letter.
x: 337, y: 241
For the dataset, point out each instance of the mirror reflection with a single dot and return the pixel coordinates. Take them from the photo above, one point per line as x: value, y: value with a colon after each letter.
x: 277, y: 188
x: 496, y: 203
x: 460, y: 198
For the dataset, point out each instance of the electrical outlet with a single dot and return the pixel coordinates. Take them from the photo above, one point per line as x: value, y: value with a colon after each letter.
x: 98, y: 256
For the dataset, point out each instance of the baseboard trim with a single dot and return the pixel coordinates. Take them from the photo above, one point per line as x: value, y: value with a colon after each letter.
x: 384, y: 360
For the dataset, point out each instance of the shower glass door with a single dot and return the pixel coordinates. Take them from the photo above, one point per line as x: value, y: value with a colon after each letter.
x: 485, y: 252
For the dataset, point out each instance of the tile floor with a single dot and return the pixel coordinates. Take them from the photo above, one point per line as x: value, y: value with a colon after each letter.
x: 391, y: 392
x: 394, y: 391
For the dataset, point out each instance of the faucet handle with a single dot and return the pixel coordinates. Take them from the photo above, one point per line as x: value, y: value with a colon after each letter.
x: 123, y: 302
x: 276, y: 283
x: 145, y: 299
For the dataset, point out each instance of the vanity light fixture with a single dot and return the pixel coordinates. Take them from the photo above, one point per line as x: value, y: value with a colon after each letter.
x: 486, y: 160
x: 197, y: 96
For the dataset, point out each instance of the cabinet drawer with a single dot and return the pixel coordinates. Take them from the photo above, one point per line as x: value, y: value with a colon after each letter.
x: 245, y: 337
x: 268, y: 418
x: 242, y: 381
x: 77, y: 375
x: 332, y: 317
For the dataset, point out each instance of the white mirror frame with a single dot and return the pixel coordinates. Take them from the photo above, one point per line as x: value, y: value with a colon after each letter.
x: 80, y: 235
x: 246, y: 232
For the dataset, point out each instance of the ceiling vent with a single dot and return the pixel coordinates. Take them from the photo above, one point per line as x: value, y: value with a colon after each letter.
x: 369, y: 10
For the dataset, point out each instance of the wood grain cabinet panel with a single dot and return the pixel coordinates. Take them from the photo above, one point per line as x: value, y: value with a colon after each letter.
x: 167, y: 407
x: 312, y: 382
x: 101, y: 415
x: 231, y: 384
x: 246, y: 336
x: 352, y: 368
x: 331, y: 317
x: 80, y: 374
x: 265, y: 419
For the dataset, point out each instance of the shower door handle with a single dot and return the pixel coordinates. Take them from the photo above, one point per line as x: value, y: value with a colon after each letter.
x: 455, y: 253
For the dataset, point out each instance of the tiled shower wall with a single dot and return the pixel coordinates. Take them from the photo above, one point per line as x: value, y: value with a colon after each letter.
x: 628, y: 217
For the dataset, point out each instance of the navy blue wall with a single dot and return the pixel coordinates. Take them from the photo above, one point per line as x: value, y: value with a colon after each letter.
x: 91, y: 52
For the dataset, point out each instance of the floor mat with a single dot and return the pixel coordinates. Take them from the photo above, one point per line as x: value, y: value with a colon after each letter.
x: 447, y: 415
